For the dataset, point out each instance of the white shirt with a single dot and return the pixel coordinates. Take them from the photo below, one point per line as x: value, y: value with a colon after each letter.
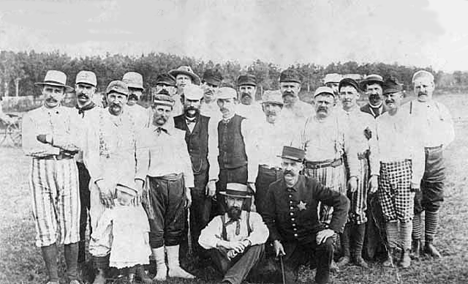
x: 141, y: 115
x: 253, y: 112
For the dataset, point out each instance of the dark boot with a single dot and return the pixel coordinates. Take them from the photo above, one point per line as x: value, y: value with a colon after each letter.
x: 71, y: 259
x: 140, y: 272
x: 49, y: 254
x: 345, y: 245
x: 416, y: 248
x: 360, y: 232
x: 102, y: 265
x: 430, y: 249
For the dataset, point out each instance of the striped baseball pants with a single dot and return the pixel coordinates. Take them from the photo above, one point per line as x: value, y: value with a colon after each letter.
x: 358, y: 199
x: 55, y: 201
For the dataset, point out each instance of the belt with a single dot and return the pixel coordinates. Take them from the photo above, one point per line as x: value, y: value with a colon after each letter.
x: 433, y: 148
x: 58, y: 157
x: 324, y: 164
x: 267, y: 167
x: 170, y: 176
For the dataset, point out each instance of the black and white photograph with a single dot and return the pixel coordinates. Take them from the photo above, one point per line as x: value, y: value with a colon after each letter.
x: 233, y: 141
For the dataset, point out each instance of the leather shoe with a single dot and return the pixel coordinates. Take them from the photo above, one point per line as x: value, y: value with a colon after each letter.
x: 430, y: 249
x: 416, y: 249
x: 359, y: 261
x: 344, y: 260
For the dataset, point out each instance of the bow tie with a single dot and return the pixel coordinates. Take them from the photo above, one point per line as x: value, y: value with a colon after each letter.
x: 190, y: 121
x: 161, y: 129
x: 85, y: 108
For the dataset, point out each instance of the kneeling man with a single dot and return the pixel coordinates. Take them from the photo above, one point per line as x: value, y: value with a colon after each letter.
x: 291, y: 216
x: 237, y: 238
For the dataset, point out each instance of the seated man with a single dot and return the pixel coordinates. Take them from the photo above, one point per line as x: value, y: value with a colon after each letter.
x: 236, y: 239
x: 291, y: 216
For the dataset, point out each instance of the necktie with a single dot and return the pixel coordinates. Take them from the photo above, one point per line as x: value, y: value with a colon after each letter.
x: 85, y: 108
x: 237, y: 225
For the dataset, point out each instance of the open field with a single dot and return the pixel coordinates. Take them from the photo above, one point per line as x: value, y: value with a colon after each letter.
x: 21, y: 262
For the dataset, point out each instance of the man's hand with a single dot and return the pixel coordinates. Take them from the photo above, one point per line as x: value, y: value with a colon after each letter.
x: 231, y: 254
x: 368, y: 133
x: 415, y: 187
x: 188, y: 197
x: 352, y: 184
x: 42, y: 138
x: 105, y: 195
x: 373, y: 184
x: 210, y: 189
x: 237, y: 246
x: 279, y: 249
x: 323, y: 235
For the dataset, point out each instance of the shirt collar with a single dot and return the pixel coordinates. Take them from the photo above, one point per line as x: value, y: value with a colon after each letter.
x: 297, y: 187
x: 166, y: 127
x: 228, y: 220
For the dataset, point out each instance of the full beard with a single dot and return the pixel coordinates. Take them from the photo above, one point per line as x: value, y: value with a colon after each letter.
x: 234, y: 213
x: 191, y: 112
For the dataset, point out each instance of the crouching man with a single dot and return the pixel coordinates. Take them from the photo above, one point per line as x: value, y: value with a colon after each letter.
x: 236, y: 239
x: 291, y: 216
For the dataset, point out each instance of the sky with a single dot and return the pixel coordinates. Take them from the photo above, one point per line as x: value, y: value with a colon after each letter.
x: 417, y: 33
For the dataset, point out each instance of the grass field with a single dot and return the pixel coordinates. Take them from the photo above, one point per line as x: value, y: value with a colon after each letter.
x: 21, y: 262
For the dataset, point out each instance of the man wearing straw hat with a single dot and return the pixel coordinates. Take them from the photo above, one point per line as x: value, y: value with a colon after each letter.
x: 292, y: 219
x: 235, y: 239
x: 50, y: 137
x: 134, y: 83
x: 372, y: 85
x: 165, y: 170
x: 184, y: 76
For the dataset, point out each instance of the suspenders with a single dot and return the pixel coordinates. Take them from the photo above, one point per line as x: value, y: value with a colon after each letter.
x: 224, y: 233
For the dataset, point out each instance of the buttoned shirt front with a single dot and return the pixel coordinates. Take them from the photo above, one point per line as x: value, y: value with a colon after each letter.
x: 212, y: 233
x: 400, y: 139
x: 58, y: 123
x: 87, y: 120
x: 163, y: 151
x: 291, y: 213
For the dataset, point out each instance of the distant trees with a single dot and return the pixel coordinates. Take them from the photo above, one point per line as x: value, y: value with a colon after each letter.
x: 19, y: 70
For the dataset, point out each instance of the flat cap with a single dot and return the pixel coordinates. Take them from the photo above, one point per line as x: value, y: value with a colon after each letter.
x: 117, y: 87
x: 324, y: 90
x: 332, y: 78
x: 290, y: 75
x: 163, y: 100
x: 348, y: 82
x: 166, y: 79
x: 371, y: 79
x: 391, y: 85
x: 212, y: 77
x: 273, y: 97
x: 133, y: 80
x: 86, y: 77
x: 422, y: 74
x: 193, y: 92
x: 226, y: 93
x: 247, y: 79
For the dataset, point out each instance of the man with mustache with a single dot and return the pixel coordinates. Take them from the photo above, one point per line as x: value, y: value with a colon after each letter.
x: 51, y: 137
x: 235, y: 239
x: 87, y: 113
x: 110, y: 153
x: 372, y: 86
x: 196, y: 128
x: 401, y: 170
x: 292, y: 219
x: 290, y: 86
x: 436, y: 124
x: 230, y: 149
x: 165, y: 172
x: 269, y: 136
x: 247, y: 89
x: 184, y: 76
x: 134, y: 83
x: 367, y: 151
x: 212, y: 80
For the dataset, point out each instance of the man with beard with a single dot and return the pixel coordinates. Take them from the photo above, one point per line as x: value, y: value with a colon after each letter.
x: 247, y: 88
x: 50, y: 137
x: 436, y: 125
x: 87, y: 113
x: 164, y: 168
x: 291, y: 217
x: 372, y: 86
x: 359, y: 124
x: 196, y: 128
x: 134, y: 83
x: 269, y: 136
x: 230, y: 156
x: 290, y: 86
x: 401, y: 170
x: 235, y: 239
x: 211, y: 81
x: 110, y: 153
x: 184, y: 76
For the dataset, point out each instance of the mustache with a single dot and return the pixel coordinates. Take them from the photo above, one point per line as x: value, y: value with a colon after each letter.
x: 389, y: 101
x: 271, y: 112
x: 288, y: 93
x: 133, y: 97
x: 288, y: 172
x: 321, y: 108
x: 421, y: 94
x: 163, y: 92
x: 245, y: 95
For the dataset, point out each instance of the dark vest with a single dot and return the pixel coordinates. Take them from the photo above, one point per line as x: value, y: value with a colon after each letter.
x: 231, y: 144
x: 197, y: 141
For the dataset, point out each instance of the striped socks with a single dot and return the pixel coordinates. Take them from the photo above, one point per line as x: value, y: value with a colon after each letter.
x: 417, y: 226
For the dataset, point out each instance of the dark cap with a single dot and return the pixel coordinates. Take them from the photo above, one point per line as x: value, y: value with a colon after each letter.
x: 117, y: 87
x: 247, y: 79
x: 212, y: 77
x: 293, y: 153
x: 348, y: 82
x: 290, y: 75
x: 391, y: 85
x: 166, y: 79
x: 160, y: 99
x: 371, y: 79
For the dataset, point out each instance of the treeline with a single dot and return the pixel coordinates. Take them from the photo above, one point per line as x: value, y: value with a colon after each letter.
x: 20, y: 70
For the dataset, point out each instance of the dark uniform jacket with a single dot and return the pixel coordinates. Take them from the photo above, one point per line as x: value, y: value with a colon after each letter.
x: 291, y: 214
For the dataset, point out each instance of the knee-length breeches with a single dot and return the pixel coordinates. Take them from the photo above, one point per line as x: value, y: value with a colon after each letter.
x: 55, y: 201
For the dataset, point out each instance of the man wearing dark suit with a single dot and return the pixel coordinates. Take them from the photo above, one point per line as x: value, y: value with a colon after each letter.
x: 372, y: 86
x: 195, y: 126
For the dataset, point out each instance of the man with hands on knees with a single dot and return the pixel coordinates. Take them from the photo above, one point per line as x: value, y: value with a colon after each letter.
x: 235, y: 239
x: 291, y: 217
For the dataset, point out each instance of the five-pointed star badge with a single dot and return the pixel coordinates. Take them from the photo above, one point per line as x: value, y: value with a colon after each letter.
x: 301, y: 205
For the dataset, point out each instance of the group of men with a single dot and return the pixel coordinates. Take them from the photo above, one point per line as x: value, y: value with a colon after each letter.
x: 247, y: 175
